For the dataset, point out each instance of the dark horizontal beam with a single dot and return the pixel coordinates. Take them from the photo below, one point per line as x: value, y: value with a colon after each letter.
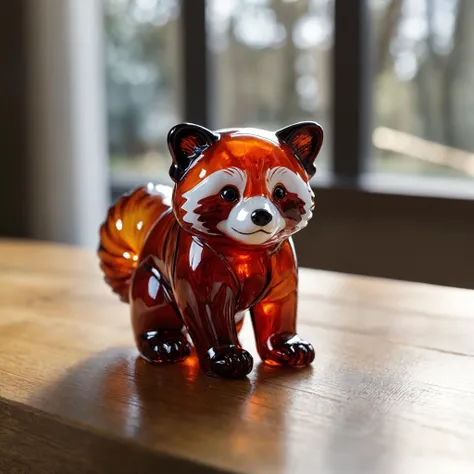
x: 414, y: 238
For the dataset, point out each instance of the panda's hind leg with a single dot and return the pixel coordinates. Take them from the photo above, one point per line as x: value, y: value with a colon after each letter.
x: 157, y: 324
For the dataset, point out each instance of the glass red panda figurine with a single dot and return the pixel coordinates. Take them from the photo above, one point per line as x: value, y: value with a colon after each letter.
x: 192, y: 259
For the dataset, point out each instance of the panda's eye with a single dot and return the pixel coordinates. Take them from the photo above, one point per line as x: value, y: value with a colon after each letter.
x: 230, y: 194
x: 279, y: 193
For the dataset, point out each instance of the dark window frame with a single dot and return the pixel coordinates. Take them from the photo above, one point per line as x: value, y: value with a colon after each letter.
x: 13, y: 119
x: 366, y: 226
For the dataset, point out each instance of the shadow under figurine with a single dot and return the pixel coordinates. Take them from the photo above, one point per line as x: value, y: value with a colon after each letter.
x: 194, y: 258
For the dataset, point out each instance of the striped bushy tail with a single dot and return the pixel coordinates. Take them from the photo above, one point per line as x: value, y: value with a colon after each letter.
x: 122, y: 234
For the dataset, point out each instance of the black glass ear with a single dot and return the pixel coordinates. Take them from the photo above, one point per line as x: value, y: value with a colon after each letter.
x: 186, y: 142
x: 305, y: 140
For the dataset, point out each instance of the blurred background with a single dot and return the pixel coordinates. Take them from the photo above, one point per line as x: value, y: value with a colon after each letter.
x: 90, y: 89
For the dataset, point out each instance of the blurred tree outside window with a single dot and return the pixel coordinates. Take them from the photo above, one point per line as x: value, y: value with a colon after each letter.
x: 143, y: 59
x: 424, y: 86
x: 270, y: 66
x: 272, y: 63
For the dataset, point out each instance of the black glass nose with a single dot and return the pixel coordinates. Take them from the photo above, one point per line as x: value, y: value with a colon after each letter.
x: 261, y: 217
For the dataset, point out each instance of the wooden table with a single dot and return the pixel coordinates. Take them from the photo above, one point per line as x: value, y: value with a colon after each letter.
x: 391, y: 390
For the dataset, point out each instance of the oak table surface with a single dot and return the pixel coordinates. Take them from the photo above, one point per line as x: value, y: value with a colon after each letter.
x: 391, y: 389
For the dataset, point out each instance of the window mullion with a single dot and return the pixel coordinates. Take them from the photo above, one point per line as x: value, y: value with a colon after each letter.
x: 352, y: 89
x: 195, y: 56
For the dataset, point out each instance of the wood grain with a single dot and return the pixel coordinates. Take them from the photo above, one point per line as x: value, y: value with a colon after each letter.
x: 391, y: 390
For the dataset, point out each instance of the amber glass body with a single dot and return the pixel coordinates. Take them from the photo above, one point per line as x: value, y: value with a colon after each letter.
x: 184, y: 285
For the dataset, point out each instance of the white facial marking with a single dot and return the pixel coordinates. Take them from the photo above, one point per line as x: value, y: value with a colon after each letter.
x: 294, y: 183
x: 239, y: 224
x: 208, y: 187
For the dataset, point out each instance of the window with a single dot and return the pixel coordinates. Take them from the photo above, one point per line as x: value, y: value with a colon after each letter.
x: 143, y: 76
x: 269, y: 67
x: 271, y: 63
x: 424, y: 83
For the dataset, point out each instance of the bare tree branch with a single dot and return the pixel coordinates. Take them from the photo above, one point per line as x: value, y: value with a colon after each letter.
x: 387, y: 29
x: 451, y: 70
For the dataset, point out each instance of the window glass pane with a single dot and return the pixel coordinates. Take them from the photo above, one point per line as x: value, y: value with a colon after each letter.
x: 271, y: 61
x: 424, y: 86
x: 143, y: 84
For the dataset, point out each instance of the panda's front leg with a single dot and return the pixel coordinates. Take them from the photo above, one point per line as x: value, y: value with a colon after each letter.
x: 274, y: 322
x: 210, y: 321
